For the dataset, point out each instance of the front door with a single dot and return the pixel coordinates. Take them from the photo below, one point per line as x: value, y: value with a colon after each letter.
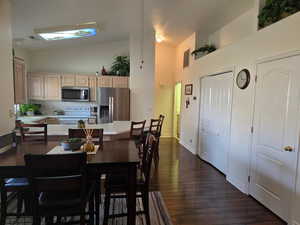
x: 276, y: 133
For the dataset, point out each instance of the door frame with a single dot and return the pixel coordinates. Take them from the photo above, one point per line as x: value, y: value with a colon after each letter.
x: 232, y: 70
x: 173, y: 121
x: 259, y: 61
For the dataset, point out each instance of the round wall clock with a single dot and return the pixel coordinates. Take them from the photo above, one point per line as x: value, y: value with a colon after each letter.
x: 243, y: 79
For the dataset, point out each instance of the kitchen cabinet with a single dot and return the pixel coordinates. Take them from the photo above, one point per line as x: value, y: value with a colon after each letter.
x: 68, y: 80
x: 93, y: 88
x: 105, y: 81
x: 19, y: 81
x: 120, y: 82
x: 36, y: 86
x: 82, y: 81
x: 52, y: 87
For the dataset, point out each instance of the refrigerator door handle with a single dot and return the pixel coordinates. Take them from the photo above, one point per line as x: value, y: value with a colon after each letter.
x: 109, y: 110
x: 112, y: 109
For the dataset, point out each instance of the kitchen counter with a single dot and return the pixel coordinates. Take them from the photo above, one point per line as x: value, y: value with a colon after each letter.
x: 33, y: 119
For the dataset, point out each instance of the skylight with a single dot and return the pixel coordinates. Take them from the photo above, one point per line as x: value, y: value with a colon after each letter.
x: 69, y: 34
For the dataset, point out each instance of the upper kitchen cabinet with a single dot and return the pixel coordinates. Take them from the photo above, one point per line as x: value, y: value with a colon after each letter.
x: 120, y: 82
x: 36, y: 86
x: 68, y: 80
x: 52, y: 87
x: 19, y: 81
x: 93, y: 88
x: 105, y: 81
x: 82, y: 81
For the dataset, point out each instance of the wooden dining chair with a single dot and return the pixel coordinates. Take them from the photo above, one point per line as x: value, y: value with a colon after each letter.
x: 79, y: 133
x: 158, y: 135
x: 118, y: 188
x: 9, y: 189
x: 137, y: 134
x: 35, y: 135
x: 58, y: 185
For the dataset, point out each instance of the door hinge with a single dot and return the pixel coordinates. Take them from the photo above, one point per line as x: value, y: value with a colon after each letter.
x: 252, y: 130
x: 255, y: 78
x: 249, y: 179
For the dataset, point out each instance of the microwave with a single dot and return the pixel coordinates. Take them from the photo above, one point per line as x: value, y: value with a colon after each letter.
x: 75, y: 94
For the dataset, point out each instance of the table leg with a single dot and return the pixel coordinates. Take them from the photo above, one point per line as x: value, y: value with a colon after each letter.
x: 131, y: 195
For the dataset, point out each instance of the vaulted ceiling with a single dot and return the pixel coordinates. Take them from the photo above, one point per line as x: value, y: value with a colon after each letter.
x: 175, y: 19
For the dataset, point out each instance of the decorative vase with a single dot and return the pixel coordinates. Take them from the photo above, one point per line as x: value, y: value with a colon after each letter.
x: 89, y: 146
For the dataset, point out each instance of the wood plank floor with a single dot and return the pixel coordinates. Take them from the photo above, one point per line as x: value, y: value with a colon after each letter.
x: 197, y: 194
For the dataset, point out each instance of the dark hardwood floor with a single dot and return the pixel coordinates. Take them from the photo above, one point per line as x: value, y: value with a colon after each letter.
x: 195, y: 193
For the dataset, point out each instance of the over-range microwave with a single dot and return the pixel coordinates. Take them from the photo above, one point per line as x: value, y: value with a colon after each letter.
x: 75, y: 94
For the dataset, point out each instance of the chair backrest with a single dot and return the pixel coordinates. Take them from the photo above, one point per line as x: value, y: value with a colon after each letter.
x: 79, y: 133
x: 161, y: 118
x: 57, y: 173
x: 154, y: 127
x: 25, y: 133
x: 137, y: 129
x: 149, y: 149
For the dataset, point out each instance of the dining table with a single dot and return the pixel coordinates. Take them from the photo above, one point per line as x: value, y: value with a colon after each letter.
x: 114, y: 157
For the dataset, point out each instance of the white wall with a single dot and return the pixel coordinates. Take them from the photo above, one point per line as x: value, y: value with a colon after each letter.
x: 279, y: 38
x: 238, y: 29
x: 165, y: 56
x: 6, y: 72
x: 80, y: 59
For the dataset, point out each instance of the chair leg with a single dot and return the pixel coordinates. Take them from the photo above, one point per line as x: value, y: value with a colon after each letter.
x: 97, y: 200
x: 20, y: 198
x: 91, y: 210
x: 3, y: 207
x: 145, y: 199
x: 106, y: 208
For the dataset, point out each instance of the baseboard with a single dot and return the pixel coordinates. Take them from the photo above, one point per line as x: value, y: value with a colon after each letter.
x: 238, y: 184
x: 188, y: 147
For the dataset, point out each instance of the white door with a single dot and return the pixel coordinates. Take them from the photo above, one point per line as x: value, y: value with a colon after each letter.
x: 215, y: 114
x: 276, y: 133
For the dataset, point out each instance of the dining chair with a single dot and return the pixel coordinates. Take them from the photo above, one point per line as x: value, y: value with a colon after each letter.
x: 158, y: 135
x: 58, y: 186
x: 118, y: 188
x: 35, y: 135
x: 9, y: 189
x: 79, y: 133
x: 137, y: 133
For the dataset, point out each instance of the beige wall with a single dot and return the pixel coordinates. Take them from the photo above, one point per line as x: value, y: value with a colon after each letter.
x: 165, y: 56
x: 81, y: 59
x: 279, y: 38
x: 6, y: 73
x: 24, y: 54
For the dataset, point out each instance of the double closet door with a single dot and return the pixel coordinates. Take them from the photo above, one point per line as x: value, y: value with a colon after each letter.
x: 215, y: 117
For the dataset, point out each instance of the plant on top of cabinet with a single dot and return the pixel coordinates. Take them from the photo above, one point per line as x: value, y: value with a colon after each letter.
x: 275, y: 10
x: 204, y: 50
x: 121, y: 66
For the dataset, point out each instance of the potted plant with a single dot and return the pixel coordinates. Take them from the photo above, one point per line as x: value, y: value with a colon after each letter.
x: 204, y: 50
x: 275, y: 10
x: 72, y: 144
x: 29, y: 109
x: 121, y: 66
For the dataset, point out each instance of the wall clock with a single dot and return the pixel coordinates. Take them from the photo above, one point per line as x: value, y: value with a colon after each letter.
x: 243, y: 79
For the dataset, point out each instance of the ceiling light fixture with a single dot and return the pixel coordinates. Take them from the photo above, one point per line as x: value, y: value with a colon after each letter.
x: 68, y: 32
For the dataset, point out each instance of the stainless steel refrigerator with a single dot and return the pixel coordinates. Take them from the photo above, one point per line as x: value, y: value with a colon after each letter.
x: 113, y: 104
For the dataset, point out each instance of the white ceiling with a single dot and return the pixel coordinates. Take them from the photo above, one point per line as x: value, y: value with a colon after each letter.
x: 176, y: 19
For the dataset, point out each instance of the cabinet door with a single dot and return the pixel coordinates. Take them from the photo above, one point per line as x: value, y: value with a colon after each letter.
x: 82, y: 81
x: 68, y: 80
x: 36, y: 86
x: 93, y: 86
x: 19, y: 81
x: 52, y: 87
x: 120, y: 82
x: 105, y: 81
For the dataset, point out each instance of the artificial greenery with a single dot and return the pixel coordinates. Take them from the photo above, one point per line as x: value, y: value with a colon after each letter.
x: 275, y: 10
x: 24, y: 108
x: 121, y: 66
x: 204, y: 49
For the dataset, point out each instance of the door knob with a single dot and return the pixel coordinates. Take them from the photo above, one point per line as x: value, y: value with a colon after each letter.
x: 288, y: 149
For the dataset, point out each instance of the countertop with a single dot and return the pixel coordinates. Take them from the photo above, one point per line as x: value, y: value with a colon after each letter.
x: 32, y: 119
x: 117, y: 127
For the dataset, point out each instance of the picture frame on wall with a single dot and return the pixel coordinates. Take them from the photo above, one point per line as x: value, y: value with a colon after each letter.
x: 188, y: 89
x: 186, y: 58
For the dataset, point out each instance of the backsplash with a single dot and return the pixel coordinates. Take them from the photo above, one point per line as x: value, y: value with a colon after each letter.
x: 48, y: 107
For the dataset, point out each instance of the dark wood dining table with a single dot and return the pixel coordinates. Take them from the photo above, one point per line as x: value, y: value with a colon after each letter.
x: 115, y: 156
